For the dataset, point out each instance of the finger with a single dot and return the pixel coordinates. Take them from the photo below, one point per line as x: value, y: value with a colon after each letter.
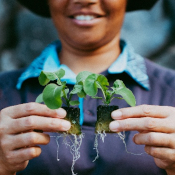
x: 27, y: 109
x: 142, y: 124
x: 21, y: 155
x: 29, y: 139
x: 155, y: 139
x: 161, y: 153
x: 38, y: 123
x: 143, y: 111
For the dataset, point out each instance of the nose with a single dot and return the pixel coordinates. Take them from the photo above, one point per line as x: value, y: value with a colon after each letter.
x: 85, y: 2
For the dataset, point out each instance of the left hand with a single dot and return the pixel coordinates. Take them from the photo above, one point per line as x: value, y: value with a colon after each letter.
x: 156, y: 126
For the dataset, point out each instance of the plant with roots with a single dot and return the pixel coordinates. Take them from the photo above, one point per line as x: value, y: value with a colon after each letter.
x: 91, y: 85
x: 54, y: 95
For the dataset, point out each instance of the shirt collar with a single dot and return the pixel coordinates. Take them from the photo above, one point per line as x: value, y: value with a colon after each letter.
x: 128, y: 61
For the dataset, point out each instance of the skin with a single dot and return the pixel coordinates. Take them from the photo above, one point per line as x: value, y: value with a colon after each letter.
x: 18, y: 135
x: 94, y: 47
x: 155, y: 126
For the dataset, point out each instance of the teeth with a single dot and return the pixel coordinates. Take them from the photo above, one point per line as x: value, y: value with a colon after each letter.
x: 84, y: 17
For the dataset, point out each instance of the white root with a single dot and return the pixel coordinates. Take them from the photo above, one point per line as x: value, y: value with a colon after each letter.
x: 122, y: 137
x: 74, y: 143
x: 96, y: 147
x: 102, y: 136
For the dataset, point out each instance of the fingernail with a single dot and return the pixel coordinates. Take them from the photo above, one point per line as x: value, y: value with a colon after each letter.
x: 116, y: 114
x: 113, y: 126
x: 61, y: 112
x: 66, y: 125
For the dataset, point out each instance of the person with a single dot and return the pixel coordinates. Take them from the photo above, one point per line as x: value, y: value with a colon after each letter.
x: 89, y: 32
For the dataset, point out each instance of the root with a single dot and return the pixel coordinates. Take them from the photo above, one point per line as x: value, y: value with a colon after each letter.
x: 102, y: 136
x: 74, y: 146
x: 73, y: 142
x: 96, y: 147
x: 122, y: 137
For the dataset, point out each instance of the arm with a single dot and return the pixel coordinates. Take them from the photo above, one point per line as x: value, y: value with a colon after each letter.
x: 18, y: 136
x: 156, y: 126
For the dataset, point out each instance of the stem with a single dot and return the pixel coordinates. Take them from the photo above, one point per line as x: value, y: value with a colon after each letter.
x: 65, y: 97
x: 70, y: 97
x: 102, y: 91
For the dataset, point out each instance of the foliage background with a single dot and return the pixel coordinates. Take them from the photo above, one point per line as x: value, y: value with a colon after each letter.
x: 23, y: 35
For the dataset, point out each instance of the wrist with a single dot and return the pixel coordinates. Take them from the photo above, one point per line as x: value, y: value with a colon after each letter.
x: 170, y: 172
x: 4, y: 172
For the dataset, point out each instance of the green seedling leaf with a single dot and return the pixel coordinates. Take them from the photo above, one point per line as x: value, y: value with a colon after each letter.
x: 82, y: 76
x: 90, y: 85
x: 60, y: 73
x: 52, y: 96
x: 120, y: 89
x: 63, y: 83
x: 74, y: 103
x: 46, y: 77
x: 103, y: 81
x: 77, y: 89
x: 81, y: 94
x: 39, y: 99
x: 51, y: 75
x: 43, y: 80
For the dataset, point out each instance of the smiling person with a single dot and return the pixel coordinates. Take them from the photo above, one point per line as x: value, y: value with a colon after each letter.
x: 89, y: 32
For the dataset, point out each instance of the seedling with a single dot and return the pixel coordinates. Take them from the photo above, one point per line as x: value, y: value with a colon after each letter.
x: 54, y: 95
x: 91, y: 85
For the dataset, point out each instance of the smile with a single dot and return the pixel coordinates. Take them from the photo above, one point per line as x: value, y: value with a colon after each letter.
x: 84, y: 17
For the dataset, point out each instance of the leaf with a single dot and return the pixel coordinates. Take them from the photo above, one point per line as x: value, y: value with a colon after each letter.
x: 59, y: 82
x: 52, y: 96
x: 82, y: 76
x: 81, y: 94
x: 60, y: 73
x: 119, y: 84
x: 90, y: 86
x: 39, y: 99
x: 46, y: 77
x: 120, y: 89
x: 63, y: 83
x: 74, y: 103
x: 77, y: 89
x: 51, y: 75
x: 43, y: 80
x: 103, y: 81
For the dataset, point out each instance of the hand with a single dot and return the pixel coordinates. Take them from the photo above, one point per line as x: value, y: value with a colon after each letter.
x: 156, y: 126
x: 18, y: 139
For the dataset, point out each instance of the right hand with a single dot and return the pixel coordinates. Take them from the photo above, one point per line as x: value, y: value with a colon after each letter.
x: 18, y: 136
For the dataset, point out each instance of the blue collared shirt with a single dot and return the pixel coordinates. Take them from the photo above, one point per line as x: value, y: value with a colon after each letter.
x: 128, y: 61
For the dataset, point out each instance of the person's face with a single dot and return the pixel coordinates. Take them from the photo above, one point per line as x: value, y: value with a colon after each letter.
x: 87, y: 24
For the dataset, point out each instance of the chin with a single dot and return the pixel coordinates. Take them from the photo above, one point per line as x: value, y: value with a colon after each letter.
x: 88, y: 45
